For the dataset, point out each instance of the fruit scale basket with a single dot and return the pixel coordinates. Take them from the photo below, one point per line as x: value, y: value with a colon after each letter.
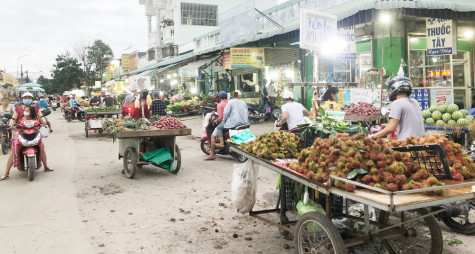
x: 400, y: 211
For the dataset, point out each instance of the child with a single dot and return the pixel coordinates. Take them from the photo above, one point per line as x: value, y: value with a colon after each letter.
x: 30, y: 113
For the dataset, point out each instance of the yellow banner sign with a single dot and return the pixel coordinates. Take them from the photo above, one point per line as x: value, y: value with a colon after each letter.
x: 119, y: 86
x: 226, y: 60
x: 133, y: 61
x: 124, y: 64
x: 9, y: 79
x: 247, y: 58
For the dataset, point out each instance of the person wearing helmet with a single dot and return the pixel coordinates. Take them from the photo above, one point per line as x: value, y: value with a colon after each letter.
x: 292, y: 112
x: 108, y: 100
x: 18, y: 115
x: 223, y: 97
x: 406, y: 114
x: 159, y: 106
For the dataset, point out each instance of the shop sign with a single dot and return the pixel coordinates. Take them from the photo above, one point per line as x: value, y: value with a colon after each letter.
x: 440, y: 96
x: 316, y: 29
x: 97, y: 84
x: 133, y: 61
x: 119, y: 86
x: 361, y: 95
x: 125, y: 63
x: 346, y: 97
x: 247, y: 58
x: 227, y: 60
x: 139, y: 83
x: 9, y: 79
x: 347, y: 35
x: 439, y: 73
x: 441, y: 36
x: 422, y: 96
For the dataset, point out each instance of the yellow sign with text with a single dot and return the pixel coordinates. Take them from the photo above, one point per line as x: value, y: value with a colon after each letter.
x: 242, y: 58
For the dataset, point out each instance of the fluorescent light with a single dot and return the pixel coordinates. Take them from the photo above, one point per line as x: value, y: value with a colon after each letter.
x: 385, y: 18
x: 468, y: 34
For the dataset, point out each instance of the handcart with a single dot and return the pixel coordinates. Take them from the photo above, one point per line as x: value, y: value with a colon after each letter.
x: 403, y: 215
x: 133, y: 144
x: 95, y: 120
x: 441, y: 130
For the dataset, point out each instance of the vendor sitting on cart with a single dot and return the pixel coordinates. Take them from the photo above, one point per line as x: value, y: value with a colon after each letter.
x: 223, y: 96
x: 329, y: 99
x: 405, y: 113
x: 292, y: 113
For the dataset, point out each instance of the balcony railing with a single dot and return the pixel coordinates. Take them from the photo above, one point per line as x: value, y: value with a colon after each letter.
x: 169, y: 35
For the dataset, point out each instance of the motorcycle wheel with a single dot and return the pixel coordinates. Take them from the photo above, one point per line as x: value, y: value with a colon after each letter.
x: 205, y: 147
x: 4, y: 145
x: 276, y: 114
x: 81, y: 117
x: 176, y: 161
x: 31, y: 168
x: 240, y: 158
x: 54, y: 109
x: 460, y: 224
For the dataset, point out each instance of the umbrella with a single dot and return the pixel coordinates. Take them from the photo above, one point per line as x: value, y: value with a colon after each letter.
x: 30, y: 85
x: 36, y: 89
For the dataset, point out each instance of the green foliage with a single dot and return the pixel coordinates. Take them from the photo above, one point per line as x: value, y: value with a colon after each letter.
x: 66, y: 74
x: 47, y: 85
x: 94, y: 59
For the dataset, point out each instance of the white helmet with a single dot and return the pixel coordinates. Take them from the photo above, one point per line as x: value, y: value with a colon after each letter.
x: 27, y: 94
x: 288, y: 95
x: 107, y: 94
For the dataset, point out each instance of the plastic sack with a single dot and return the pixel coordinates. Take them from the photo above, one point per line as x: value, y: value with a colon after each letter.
x: 44, y: 130
x: 244, y: 186
x: 161, y: 157
x: 311, y: 206
x: 243, y: 136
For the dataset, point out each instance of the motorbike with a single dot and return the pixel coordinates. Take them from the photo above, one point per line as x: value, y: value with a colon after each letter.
x: 266, y: 111
x: 54, y: 105
x: 75, y: 113
x: 205, y: 141
x: 6, y: 134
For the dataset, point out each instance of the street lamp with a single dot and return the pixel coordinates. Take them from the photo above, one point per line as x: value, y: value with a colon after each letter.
x: 17, y: 62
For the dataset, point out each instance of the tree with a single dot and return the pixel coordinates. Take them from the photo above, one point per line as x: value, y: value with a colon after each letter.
x: 95, y: 59
x: 66, y: 74
x: 47, y: 85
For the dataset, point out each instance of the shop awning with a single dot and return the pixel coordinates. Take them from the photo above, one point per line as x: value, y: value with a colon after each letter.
x: 190, y: 70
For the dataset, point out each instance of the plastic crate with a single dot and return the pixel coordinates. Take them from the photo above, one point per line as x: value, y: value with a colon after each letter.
x: 430, y: 157
x: 286, y: 194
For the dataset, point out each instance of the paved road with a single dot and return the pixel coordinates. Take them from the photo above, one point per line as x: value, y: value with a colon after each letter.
x: 88, y: 206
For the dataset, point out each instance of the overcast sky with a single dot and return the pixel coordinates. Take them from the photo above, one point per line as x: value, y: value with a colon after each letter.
x: 46, y: 28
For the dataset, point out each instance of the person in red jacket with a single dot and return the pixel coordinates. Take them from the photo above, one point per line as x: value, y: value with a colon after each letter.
x: 224, y: 100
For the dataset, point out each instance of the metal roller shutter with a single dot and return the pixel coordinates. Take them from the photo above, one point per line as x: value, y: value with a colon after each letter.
x: 276, y: 56
x: 236, y: 72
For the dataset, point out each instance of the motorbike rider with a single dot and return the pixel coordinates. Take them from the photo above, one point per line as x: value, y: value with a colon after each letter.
x: 74, y: 103
x: 95, y: 101
x: 223, y: 96
x: 292, y: 112
x: 235, y: 114
x: 406, y: 114
x: 18, y: 115
x: 43, y: 105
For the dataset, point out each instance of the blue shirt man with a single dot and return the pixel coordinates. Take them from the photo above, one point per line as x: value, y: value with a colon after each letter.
x: 73, y: 103
x: 42, y: 103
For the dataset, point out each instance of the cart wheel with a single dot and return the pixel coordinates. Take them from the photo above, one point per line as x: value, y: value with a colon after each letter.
x: 420, y: 235
x: 131, y: 159
x: 283, y: 221
x: 87, y: 129
x: 206, y: 147
x: 176, y: 161
x: 315, y: 233
x: 464, y: 223
x: 241, y: 158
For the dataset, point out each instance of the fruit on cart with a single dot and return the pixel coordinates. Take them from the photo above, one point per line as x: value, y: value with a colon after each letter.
x: 470, y: 118
x: 276, y: 145
x: 430, y: 121
x: 168, y: 123
x: 436, y: 115
x: 452, y: 108
x: 457, y: 115
x: 464, y: 112
x: 451, y: 122
x: 426, y: 114
x: 462, y: 122
x: 446, y: 117
x: 363, y: 109
x: 439, y: 123
x: 442, y: 108
x: 433, y: 108
x: 102, y: 109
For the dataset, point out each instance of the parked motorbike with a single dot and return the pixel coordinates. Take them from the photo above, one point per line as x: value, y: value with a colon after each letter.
x: 458, y: 218
x: 206, y: 139
x: 75, y: 113
x: 269, y: 111
x: 6, y: 134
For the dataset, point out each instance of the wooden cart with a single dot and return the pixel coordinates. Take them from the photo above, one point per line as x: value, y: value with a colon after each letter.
x: 134, y: 143
x: 95, y: 120
x: 400, y: 213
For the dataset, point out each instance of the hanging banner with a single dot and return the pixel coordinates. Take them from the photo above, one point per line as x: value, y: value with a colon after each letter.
x: 361, y: 95
x: 133, y: 61
x: 9, y: 79
x: 316, y: 29
x: 440, y: 96
x: 247, y: 58
x: 119, y: 86
x: 348, y: 39
x: 227, y: 60
x: 124, y: 64
x: 139, y: 83
x: 422, y: 96
x: 441, y: 36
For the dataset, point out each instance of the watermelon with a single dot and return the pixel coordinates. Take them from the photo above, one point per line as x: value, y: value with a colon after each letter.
x: 451, y: 122
x: 446, y: 117
x: 462, y: 122
x: 440, y: 123
x: 457, y: 115
x: 433, y: 108
x: 430, y: 121
x: 436, y: 115
x: 442, y: 108
x: 464, y: 112
x: 470, y: 118
x: 452, y: 108
x: 426, y: 114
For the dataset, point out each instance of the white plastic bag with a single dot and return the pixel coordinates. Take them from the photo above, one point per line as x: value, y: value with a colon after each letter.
x: 44, y: 130
x: 244, y: 186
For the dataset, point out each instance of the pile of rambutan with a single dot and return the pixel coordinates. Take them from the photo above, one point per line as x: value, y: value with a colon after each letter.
x: 274, y: 145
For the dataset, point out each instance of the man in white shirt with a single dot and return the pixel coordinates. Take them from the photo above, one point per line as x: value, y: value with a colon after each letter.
x: 292, y: 112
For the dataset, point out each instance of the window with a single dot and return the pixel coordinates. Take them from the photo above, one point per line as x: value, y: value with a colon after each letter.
x: 199, y: 14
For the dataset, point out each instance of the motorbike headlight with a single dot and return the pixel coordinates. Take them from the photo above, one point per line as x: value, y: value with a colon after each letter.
x: 29, y: 124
